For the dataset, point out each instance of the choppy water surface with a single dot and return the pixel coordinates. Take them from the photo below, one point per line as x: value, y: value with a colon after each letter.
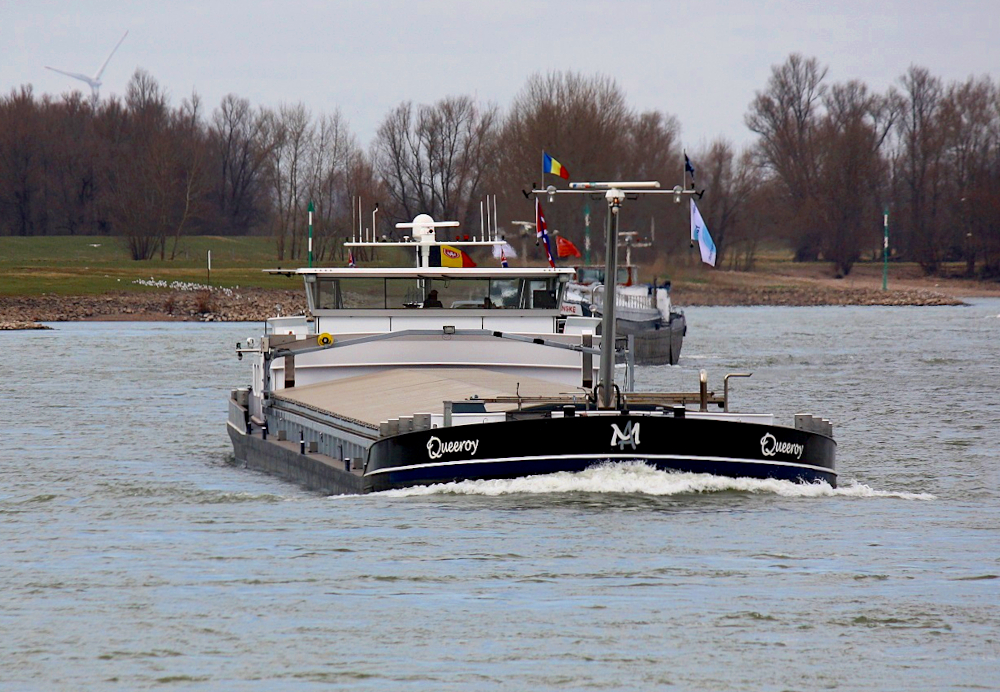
x: 134, y: 556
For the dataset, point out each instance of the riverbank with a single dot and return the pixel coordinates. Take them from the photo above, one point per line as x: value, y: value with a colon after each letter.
x: 245, y: 305
x: 811, y: 284
x: 801, y: 285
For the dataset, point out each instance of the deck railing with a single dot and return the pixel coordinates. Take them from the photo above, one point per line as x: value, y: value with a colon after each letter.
x: 633, y: 302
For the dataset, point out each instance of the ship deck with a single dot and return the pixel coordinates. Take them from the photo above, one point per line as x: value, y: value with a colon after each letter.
x: 371, y: 398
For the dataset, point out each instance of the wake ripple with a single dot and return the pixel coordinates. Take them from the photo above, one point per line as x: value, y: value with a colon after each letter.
x: 639, y: 479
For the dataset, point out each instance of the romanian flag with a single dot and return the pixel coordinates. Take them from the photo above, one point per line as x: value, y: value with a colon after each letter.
x: 550, y: 165
x: 448, y: 256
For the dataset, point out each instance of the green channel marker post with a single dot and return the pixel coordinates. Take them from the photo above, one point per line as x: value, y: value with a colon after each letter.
x: 310, y: 233
x: 885, y: 249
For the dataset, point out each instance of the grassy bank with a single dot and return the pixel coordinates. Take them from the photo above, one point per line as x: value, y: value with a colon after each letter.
x: 92, y: 266
x: 79, y: 265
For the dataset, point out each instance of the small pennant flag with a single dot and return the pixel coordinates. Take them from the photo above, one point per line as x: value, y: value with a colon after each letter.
x: 700, y: 235
x: 542, y: 231
x: 503, y: 259
x: 550, y: 165
x: 350, y: 258
x: 688, y: 168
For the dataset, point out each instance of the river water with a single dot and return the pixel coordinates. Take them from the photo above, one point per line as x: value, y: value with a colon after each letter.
x: 134, y: 556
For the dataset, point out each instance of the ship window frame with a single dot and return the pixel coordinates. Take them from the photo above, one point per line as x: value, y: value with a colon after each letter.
x: 336, y: 294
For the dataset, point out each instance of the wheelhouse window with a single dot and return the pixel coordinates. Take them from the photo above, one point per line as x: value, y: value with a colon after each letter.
x: 333, y: 294
x: 595, y: 275
x: 485, y: 293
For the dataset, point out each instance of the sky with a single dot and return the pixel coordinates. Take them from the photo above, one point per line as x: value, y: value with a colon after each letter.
x: 701, y: 61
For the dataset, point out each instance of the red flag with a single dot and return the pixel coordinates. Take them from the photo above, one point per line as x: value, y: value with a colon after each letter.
x: 565, y: 248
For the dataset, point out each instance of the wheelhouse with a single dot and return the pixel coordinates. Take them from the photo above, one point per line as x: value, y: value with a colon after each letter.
x: 329, y: 291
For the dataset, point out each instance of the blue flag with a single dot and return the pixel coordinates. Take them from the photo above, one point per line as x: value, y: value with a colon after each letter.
x: 688, y: 167
x: 700, y: 234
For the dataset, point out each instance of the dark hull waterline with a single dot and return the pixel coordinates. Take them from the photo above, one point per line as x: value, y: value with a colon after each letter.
x: 515, y: 449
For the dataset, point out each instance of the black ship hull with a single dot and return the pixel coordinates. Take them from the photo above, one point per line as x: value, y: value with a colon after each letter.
x: 655, y: 343
x: 518, y: 448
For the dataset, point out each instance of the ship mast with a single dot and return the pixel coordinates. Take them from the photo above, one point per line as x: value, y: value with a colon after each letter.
x: 614, y: 199
x: 615, y: 194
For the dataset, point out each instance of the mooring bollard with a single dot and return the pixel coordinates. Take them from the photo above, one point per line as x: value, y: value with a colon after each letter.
x: 302, y: 442
x: 347, y: 464
x: 263, y: 431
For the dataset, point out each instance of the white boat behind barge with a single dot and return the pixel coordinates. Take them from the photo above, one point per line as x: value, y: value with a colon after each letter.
x: 644, y: 311
x: 413, y: 376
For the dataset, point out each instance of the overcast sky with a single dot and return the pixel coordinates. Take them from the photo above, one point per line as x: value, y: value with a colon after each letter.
x: 700, y: 60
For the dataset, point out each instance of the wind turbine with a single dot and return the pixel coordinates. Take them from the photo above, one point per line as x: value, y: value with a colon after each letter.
x: 95, y: 81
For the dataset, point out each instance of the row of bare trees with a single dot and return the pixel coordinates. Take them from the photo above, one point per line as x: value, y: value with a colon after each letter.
x: 836, y: 157
x: 150, y: 173
x: 828, y: 159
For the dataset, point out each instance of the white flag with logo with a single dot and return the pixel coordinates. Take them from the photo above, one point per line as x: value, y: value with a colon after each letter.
x: 505, y: 249
x: 700, y: 234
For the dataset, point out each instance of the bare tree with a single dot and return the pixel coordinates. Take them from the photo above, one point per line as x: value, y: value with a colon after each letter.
x: 651, y: 153
x: 237, y: 134
x: 760, y: 218
x: 363, y: 184
x: 68, y: 154
x: 138, y: 185
x: 432, y: 158
x: 970, y: 118
x: 921, y: 169
x: 987, y: 191
x: 334, y: 152
x: 289, y: 136
x: 852, y: 174
x: 189, y: 167
x: 20, y: 168
x: 585, y: 123
x: 155, y: 179
x: 785, y: 116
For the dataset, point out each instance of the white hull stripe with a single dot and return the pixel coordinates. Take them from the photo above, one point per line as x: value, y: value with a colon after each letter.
x: 625, y: 457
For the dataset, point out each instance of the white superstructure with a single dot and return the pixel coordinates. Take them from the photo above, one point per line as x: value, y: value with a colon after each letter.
x: 426, y: 317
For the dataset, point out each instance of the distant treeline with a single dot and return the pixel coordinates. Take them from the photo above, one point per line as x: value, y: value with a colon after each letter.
x: 828, y: 159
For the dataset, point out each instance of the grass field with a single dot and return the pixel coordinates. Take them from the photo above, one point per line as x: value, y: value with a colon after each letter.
x: 77, y: 266
x: 87, y: 265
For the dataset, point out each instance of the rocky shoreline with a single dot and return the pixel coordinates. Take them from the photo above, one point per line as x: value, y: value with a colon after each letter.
x: 805, y: 295
x: 256, y: 305
x: 248, y: 305
x: 11, y: 326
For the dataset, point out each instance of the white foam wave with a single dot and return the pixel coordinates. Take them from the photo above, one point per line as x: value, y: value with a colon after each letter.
x: 855, y: 489
x: 639, y: 479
